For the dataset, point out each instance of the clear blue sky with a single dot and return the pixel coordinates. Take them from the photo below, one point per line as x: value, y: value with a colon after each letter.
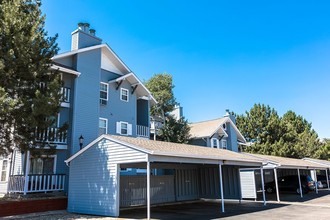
x: 222, y: 54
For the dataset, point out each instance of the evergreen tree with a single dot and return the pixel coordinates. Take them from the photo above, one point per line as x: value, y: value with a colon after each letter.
x: 161, y: 87
x: 177, y: 131
x: 288, y: 136
x: 29, y: 91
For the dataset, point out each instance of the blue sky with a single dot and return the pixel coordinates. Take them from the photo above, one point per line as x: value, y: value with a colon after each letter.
x: 222, y: 54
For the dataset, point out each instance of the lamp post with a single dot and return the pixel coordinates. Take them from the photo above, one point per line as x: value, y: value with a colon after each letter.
x: 81, y: 141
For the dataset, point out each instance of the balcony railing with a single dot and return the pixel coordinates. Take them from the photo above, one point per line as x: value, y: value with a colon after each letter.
x: 52, y: 135
x: 65, y: 94
x: 36, y: 183
x: 142, y: 131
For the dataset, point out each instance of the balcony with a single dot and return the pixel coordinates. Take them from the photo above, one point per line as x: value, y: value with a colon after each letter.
x: 52, y: 136
x: 36, y: 183
x: 143, y: 131
x: 66, y: 93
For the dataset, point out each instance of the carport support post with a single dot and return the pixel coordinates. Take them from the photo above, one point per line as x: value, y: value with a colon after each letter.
x: 301, y: 194
x: 263, y: 185
x: 316, y: 186
x: 221, y: 190
x: 327, y: 178
x: 148, y: 190
x: 276, y: 185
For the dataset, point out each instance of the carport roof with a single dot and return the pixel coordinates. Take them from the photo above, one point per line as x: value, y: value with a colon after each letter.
x: 160, y: 148
x: 288, y: 163
x: 318, y: 161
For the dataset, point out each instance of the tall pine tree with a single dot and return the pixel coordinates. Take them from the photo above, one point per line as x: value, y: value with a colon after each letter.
x: 29, y: 91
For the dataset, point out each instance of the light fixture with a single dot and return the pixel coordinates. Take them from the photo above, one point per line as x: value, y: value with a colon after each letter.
x: 81, y: 141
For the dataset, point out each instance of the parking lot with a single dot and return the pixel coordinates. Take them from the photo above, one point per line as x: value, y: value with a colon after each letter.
x: 291, y: 207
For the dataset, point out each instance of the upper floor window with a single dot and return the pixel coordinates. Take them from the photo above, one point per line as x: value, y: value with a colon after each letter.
x: 214, y: 143
x: 103, y: 126
x: 103, y: 93
x: 124, y: 128
x: 4, y: 168
x: 224, y: 126
x: 124, y: 94
x: 224, y: 144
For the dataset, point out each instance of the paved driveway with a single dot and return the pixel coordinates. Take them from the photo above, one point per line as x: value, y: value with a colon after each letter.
x: 311, y: 207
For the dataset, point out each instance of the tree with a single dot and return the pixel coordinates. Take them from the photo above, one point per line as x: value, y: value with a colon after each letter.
x: 29, y: 91
x: 177, y: 131
x: 290, y: 135
x: 161, y: 87
x: 173, y: 130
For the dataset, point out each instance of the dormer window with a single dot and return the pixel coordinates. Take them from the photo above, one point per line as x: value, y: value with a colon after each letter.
x: 124, y: 94
x: 103, y: 93
x: 214, y: 143
x: 224, y: 126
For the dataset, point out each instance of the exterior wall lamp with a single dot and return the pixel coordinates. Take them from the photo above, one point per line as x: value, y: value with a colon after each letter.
x: 81, y: 141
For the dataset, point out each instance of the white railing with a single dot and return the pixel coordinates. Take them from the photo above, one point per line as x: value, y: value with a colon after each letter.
x: 36, y: 183
x: 52, y: 135
x: 142, y: 131
x: 65, y: 94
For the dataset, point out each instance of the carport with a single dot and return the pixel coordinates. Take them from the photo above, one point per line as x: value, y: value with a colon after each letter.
x: 325, y: 163
x: 94, y: 184
x: 283, y: 166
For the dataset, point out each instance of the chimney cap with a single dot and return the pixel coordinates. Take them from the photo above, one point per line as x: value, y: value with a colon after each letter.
x: 92, y: 32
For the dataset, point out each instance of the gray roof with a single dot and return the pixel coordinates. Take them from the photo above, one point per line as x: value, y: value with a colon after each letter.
x: 161, y: 148
x: 209, y: 128
x: 286, y: 162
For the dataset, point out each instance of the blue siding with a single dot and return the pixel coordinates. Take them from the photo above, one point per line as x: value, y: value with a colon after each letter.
x: 86, y: 101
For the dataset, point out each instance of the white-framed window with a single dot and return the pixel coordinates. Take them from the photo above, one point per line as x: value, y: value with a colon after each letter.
x: 124, y: 128
x: 214, y: 142
x: 224, y: 144
x: 103, y: 126
x: 224, y: 126
x: 103, y: 93
x: 45, y: 164
x: 4, y: 170
x: 124, y: 95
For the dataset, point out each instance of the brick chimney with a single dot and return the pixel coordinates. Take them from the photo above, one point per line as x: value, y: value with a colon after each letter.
x: 83, y: 37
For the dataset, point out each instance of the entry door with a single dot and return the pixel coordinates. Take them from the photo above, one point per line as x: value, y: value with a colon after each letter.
x: 186, y: 184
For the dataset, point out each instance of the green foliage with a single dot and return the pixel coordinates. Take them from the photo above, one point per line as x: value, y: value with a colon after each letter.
x: 177, y: 131
x: 289, y: 136
x: 161, y: 87
x: 29, y: 91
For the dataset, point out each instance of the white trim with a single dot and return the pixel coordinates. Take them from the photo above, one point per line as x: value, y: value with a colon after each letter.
x: 7, y: 169
x: 70, y: 53
x: 138, y: 82
x: 223, y: 143
x: 65, y: 70
x: 107, y: 87
x: 121, y: 127
x: 212, y: 143
x: 122, y: 94
x: 106, y: 124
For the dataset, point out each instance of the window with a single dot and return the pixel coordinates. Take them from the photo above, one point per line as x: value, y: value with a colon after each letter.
x: 124, y: 95
x: 124, y: 128
x: 224, y: 126
x: 4, y: 168
x: 214, y: 143
x: 103, y: 126
x: 224, y: 144
x: 103, y: 93
x: 42, y: 165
